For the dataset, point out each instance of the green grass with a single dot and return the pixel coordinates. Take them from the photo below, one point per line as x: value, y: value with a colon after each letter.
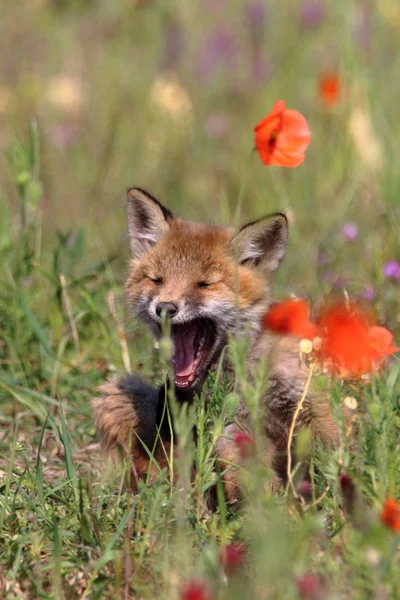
x: 68, y: 526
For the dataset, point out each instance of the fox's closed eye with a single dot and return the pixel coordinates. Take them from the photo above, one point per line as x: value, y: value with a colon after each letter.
x: 203, y: 284
x: 156, y: 280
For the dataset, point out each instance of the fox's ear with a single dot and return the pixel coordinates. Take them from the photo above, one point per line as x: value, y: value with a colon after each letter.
x: 262, y: 243
x: 148, y: 221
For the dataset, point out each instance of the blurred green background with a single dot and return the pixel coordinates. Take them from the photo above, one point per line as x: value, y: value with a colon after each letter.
x: 165, y: 95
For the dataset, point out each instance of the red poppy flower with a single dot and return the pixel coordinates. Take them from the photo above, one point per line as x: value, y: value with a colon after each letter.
x: 195, y: 590
x: 311, y: 587
x: 232, y: 556
x: 390, y: 515
x: 245, y: 443
x: 329, y: 89
x: 351, y: 344
x: 282, y: 137
x: 291, y: 317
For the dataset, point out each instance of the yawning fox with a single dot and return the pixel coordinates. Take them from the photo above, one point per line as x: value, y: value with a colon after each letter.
x: 210, y: 282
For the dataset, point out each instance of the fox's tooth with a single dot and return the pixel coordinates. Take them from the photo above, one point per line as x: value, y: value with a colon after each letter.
x: 202, y: 341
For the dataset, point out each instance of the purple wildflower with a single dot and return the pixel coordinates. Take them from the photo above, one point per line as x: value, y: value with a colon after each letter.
x: 217, y: 125
x: 350, y: 232
x: 219, y: 48
x: 391, y: 269
x: 312, y: 13
x: 368, y: 293
x: 256, y: 15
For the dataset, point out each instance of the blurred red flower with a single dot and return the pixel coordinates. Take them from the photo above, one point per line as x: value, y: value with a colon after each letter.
x: 291, y: 317
x: 351, y: 345
x: 245, y: 443
x: 282, y: 137
x: 232, y: 556
x: 310, y: 587
x: 346, y: 483
x: 349, y: 493
x: 195, y: 590
x: 390, y: 515
x: 329, y: 89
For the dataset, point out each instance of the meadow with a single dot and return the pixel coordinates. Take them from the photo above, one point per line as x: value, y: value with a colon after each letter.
x: 97, y: 96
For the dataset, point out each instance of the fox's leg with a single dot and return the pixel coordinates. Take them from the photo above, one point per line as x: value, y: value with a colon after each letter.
x: 128, y: 417
x: 315, y: 416
x: 228, y: 455
x: 287, y: 382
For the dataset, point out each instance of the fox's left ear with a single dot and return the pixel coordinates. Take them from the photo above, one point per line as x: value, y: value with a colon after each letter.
x: 262, y: 244
x: 148, y: 221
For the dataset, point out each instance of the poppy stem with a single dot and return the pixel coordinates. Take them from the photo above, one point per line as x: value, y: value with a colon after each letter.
x: 292, y: 428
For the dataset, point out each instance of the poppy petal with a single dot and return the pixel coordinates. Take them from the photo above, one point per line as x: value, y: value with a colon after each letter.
x: 291, y: 317
x: 350, y: 342
x: 380, y: 339
x: 295, y: 135
x: 276, y: 112
x: 282, y: 159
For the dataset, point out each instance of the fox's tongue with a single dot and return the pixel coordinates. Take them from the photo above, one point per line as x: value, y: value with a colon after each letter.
x: 184, y: 353
x: 193, y: 343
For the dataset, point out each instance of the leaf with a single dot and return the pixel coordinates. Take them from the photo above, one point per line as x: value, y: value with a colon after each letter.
x: 39, y: 466
x: 57, y: 549
x: 76, y: 251
x: 34, y: 192
x: 37, y: 329
x: 66, y: 442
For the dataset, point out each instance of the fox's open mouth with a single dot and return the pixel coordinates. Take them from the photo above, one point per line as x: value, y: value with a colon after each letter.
x: 194, y: 343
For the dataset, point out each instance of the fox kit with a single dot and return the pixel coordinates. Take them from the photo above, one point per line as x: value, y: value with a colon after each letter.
x: 209, y: 281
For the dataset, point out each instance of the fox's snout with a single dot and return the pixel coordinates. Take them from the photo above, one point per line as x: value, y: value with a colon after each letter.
x: 168, y: 308
x: 176, y: 310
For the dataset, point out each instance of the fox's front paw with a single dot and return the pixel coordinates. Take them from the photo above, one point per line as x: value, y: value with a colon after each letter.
x: 125, y: 415
x: 228, y: 456
x: 127, y: 409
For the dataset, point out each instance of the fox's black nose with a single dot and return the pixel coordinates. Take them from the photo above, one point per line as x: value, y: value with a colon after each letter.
x: 169, y: 308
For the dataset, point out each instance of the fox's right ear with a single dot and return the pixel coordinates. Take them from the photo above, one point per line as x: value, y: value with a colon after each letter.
x: 262, y: 243
x: 148, y: 221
